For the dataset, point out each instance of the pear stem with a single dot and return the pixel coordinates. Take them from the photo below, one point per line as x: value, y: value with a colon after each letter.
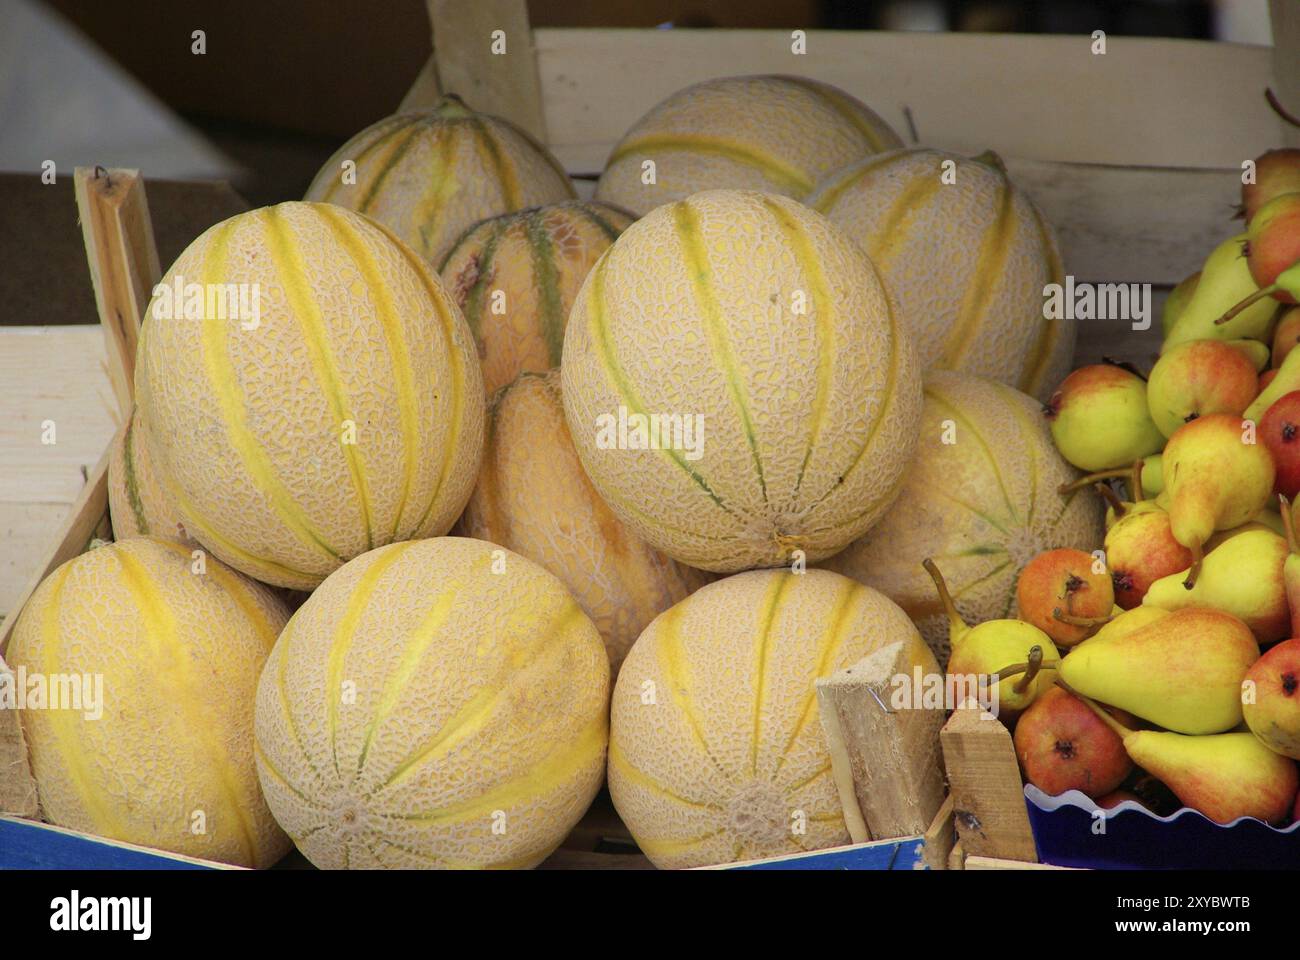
x: 1135, y: 481
x: 1280, y: 110
x: 1288, y: 522
x: 1111, y: 498
x: 1091, y: 478
x: 1195, y: 570
x: 1035, y: 664
x: 1120, y: 730
x: 1072, y: 620
x: 950, y: 608
x: 1255, y: 297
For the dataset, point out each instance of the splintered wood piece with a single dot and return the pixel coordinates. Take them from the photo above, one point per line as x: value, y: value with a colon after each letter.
x: 483, y: 52
x: 17, y: 788
x: 886, y: 763
x: 984, y: 780
x: 940, y: 838
x: 123, y: 257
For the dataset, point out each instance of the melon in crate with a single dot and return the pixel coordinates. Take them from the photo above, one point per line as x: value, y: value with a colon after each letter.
x: 138, y: 504
x: 980, y: 500
x: 515, y: 278
x: 338, y: 409
x: 737, y: 385
x: 533, y: 497
x: 435, y: 703
x: 966, y: 254
x: 716, y: 750
x: 162, y: 647
x: 430, y: 175
x: 773, y: 134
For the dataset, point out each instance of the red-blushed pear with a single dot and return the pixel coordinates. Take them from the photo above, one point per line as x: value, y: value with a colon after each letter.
x: 1141, y: 549
x: 1273, y: 242
x: 1199, y: 377
x: 1065, y: 593
x: 1270, y: 698
x: 1181, y: 671
x: 1216, y: 477
x: 1285, y: 337
x: 1242, y: 574
x: 1279, y: 431
x: 993, y: 646
x: 1225, y: 776
x: 1062, y: 745
x: 1099, y: 418
x: 1276, y: 172
x: 1291, y: 569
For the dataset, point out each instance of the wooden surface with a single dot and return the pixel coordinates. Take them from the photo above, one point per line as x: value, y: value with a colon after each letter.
x: 887, y: 763
x: 118, y: 236
x: 941, y: 838
x: 17, y: 788
x: 984, y: 780
x: 56, y: 374
x: 86, y: 519
x: 1285, y: 15
x: 995, y: 863
x: 1149, y: 102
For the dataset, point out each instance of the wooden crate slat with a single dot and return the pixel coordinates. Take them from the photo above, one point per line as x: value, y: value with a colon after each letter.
x: 1285, y: 16
x: 1148, y: 102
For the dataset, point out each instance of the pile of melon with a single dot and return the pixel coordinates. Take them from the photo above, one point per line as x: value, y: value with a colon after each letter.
x: 502, y: 498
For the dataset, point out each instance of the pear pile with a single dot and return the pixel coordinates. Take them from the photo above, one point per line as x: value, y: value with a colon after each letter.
x: 1164, y: 667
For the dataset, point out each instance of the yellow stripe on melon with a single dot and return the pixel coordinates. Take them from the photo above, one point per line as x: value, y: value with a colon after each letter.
x: 515, y: 278
x: 138, y: 503
x: 347, y: 414
x: 769, y: 133
x: 966, y: 254
x: 439, y: 703
x: 716, y: 753
x: 534, y: 498
x: 168, y: 762
x: 980, y: 499
x: 756, y: 318
x: 430, y: 176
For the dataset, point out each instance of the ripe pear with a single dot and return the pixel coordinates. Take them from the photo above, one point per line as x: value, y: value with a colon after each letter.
x: 1099, y: 418
x: 1225, y: 282
x: 1285, y: 337
x: 1199, y: 377
x: 1141, y: 549
x: 1130, y: 621
x: 1225, y: 776
x: 1216, y: 478
x: 1177, y: 300
x: 1270, y: 699
x: 1065, y: 593
x: 1273, y: 243
x: 1241, y: 575
x: 1291, y: 569
x: 1062, y: 745
x: 1279, y: 430
x: 994, y: 645
x: 1182, y: 671
x: 1276, y: 172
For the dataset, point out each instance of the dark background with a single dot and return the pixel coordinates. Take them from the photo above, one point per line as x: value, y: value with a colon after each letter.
x: 298, y: 77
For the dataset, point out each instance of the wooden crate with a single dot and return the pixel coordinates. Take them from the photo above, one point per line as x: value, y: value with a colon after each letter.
x: 1134, y: 155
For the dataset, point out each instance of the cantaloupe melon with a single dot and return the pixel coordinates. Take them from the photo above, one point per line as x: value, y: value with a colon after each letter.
x: 980, y: 499
x: 785, y: 394
x: 773, y: 134
x: 138, y: 504
x: 431, y: 175
x: 533, y: 497
x: 966, y: 254
x: 169, y: 652
x: 716, y: 751
x: 515, y: 277
x: 349, y: 415
x: 435, y: 703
